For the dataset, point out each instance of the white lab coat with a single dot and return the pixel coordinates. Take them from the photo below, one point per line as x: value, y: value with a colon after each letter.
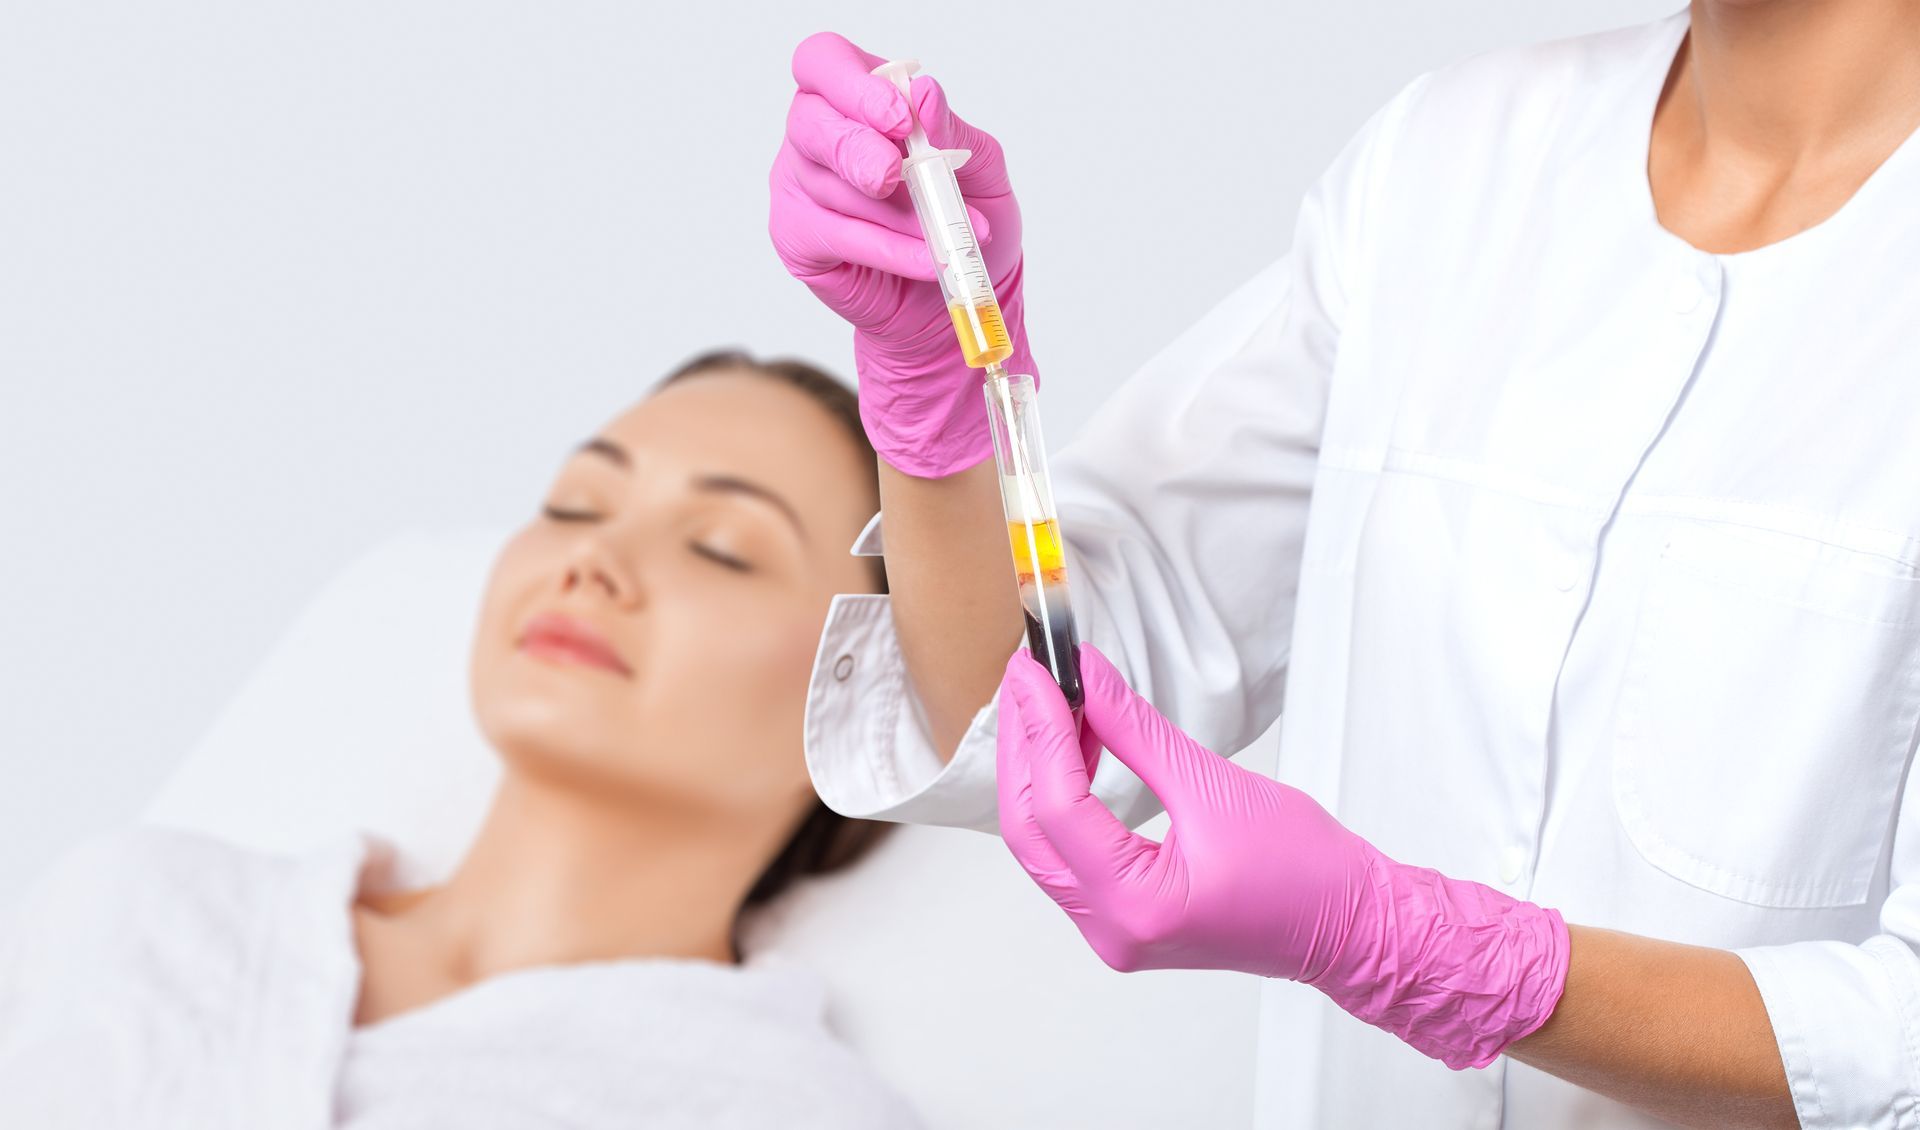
x: 1608, y: 594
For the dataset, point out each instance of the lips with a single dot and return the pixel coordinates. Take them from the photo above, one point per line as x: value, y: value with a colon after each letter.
x: 562, y: 639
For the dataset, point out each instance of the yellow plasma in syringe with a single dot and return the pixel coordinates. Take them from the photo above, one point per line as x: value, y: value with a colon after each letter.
x: 1036, y: 548
x: 982, y: 333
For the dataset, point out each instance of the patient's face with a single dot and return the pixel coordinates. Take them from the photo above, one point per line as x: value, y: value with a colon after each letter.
x: 651, y: 633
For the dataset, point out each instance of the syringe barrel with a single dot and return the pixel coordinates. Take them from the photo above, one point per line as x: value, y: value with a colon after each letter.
x: 962, y: 269
x: 943, y: 219
x: 1033, y: 529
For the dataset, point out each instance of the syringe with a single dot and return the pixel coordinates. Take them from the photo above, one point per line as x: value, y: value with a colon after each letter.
x: 1025, y: 494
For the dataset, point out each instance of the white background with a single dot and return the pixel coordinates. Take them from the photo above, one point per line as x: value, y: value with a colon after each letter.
x: 279, y: 280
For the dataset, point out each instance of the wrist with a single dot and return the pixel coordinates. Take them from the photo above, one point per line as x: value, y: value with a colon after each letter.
x: 1456, y: 969
x: 929, y: 424
x: 922, y: 406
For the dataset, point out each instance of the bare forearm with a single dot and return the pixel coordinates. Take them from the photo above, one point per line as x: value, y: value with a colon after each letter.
x: 1678, y: 1031
x: 954, y: 603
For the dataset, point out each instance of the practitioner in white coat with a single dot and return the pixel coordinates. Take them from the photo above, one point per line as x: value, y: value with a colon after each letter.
x: 1563, y: 482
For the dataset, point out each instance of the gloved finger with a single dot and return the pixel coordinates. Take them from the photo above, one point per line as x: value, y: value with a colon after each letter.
x: 843, y: 153
x: 832, y: 67
x: 842, y: 285
x: 1170, y: 763
x: 1090, y: 748
x: 985, y: 173
x: 825, y: 188
x: 855, y: 152
x: 812, y: 240
x: 982, y: 230
x: 1018, y: 828
x: 1099, y: 850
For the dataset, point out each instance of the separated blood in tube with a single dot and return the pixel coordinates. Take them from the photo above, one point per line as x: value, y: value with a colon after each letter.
x: 1033, y: 532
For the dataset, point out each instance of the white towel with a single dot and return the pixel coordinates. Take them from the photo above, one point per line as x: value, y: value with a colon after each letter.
x: 164, y: 980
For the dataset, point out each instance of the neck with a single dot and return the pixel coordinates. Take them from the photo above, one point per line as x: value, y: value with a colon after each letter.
x: 561, y: 874
x: 1791, y: 80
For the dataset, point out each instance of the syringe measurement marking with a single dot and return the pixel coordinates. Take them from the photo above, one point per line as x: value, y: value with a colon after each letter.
x: 973, y: 268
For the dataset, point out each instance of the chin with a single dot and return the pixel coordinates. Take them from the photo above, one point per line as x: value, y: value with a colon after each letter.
x: 544, y: 719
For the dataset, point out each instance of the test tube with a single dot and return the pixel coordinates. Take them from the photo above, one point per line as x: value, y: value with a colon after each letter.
x: 1033, y: 529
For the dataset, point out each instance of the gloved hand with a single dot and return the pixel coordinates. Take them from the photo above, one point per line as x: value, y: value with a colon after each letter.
x: 843, y: 224
x: 1255, y: 876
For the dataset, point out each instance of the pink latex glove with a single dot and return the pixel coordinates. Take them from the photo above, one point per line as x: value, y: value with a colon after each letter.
x: 843, y: 224
x: 1254, y: 876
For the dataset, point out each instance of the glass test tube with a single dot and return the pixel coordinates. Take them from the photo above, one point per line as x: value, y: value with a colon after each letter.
x: 1033, y: 529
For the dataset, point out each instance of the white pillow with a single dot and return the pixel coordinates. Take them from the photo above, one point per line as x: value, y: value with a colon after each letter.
x: 949, y: 970
x: 358, y: 718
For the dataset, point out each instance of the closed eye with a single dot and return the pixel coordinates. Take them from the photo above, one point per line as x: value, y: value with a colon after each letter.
x: 560, y: 515
x: 718, y: 557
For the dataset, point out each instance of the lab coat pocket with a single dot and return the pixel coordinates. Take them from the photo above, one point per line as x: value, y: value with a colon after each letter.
x: 1766, y: 712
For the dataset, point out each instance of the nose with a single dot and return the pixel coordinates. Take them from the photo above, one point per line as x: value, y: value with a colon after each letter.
x: 592, y: 564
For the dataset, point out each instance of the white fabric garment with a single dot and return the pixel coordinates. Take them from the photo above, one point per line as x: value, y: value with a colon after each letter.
x: 167, y: 981
x: 1608, y: 595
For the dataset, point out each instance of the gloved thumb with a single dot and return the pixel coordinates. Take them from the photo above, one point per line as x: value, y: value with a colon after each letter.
x: 985, y: 173
x: 1172, y: 764
x: 1092, y: 842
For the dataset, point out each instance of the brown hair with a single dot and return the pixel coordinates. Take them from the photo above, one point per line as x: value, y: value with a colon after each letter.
x: 825, y: 841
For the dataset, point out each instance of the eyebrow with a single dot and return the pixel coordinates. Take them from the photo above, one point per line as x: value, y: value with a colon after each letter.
x: 718, y: 484
x: 608, y: 448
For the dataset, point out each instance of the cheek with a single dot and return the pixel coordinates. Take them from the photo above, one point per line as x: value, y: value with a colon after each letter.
x: 720, y: 714
x: 738, y: 669
x: 759, y: 646
x: 512, y: 585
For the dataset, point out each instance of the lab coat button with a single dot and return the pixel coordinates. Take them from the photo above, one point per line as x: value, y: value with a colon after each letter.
x: 843, y: 667
x: 1513, y: 862
x: 1685, y: 294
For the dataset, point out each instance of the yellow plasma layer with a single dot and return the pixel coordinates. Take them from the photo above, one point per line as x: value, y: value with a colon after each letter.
x: 1036, y: 548
x: 982, y: 333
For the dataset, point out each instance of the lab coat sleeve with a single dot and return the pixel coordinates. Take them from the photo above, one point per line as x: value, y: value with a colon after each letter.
x: 1847, y: 1017
x: 1184, y: 508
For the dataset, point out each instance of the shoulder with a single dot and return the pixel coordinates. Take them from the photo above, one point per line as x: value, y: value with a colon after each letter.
x: 1486, y: 136
x: 1512, y: 84
x: 153, y: 954
x: 1506, y: 102
x: 120, y: 919
x: 144, y: 893
x: 163, y: 919
x: 143, y: 866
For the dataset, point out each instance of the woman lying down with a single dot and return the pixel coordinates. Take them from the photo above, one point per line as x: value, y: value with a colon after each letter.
x: 641, y: 667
